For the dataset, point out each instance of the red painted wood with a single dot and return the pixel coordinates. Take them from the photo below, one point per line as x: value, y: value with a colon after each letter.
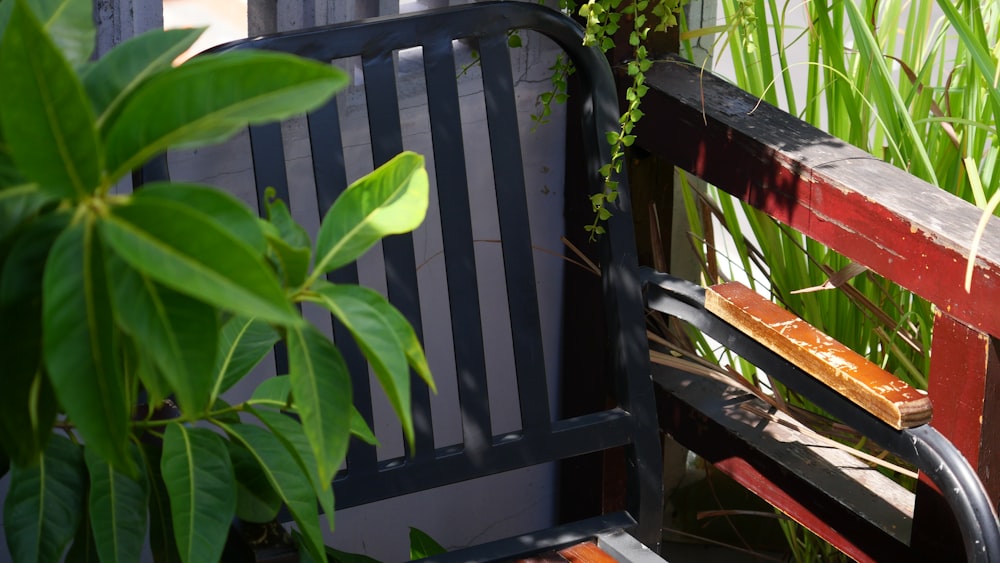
x: 965, y: 388
x: 876, y: 214
x: 899, y: 226
x: 767, y: 479
x: 775, y: 493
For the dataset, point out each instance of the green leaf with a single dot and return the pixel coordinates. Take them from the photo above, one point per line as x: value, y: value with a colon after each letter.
x: 287, y: 478
x: 17, y: 204
x: 289, y: 243
x: 114, y: 76
x: 390, y: 200
x: 79, y: 346
x: 188, y: 252
x: 293, y: 436
x: 321, y: 389
x: 199, y: 479
x: 422, y: 545
x: 243, y: 343
x: 256, y: 499
x: 142, y: 365
x: 273, y: 392
x: 45, y: 502
x: 338, y: 556
x: 117, y: 508
x: 161, y: 529
x: 361, y: 429
x: 292, y: 263
x: 212, y: 204
x: 83, y: 549
x: 279, y: 216
x: 333, y: 555
x: 27, y: 405
x: 386, y: 339
x: 70, y: 23
x: 46, y: 118
x: 179, y: 333
x: 211, y: 97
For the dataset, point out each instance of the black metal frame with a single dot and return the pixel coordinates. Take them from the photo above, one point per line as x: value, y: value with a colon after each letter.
x: 923, y: 446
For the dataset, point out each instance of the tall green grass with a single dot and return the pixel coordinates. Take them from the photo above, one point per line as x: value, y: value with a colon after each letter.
x: 912, y: 82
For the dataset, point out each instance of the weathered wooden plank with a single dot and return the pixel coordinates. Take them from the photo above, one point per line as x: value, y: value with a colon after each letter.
x: 853, y: 376
x: 899, y: 226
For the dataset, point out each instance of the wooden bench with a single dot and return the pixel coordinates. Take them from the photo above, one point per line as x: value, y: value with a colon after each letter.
x: 624, y: 432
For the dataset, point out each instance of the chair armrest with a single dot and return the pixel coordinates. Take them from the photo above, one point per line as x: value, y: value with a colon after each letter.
x: 923, y: 446
x: 870, y: 387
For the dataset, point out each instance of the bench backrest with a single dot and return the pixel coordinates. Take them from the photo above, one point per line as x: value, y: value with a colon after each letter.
x: 376, y: 51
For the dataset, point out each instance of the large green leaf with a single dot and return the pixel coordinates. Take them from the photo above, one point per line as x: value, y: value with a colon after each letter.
x: 179, y: 333
x: 45, y: 502
x: 211, y: 97
x: 256, y: 499
x: 390, y: 200
x: 161, y: 528
x: 384, y: 336
x: 47, y: 122
x: 213, y: 204
x: 18, y: 203
x: 142, y: 366
x: 293, y: 436
x: 70, y: 23
x: 199, y: 477
x: 243, y: 343
x: 83, y: 549
x: 275, y: 392
x: 188, y: 252
x: 287, y: 478
x: 115, y: 75
x: 321, y: 390
x: 27, y: 405
x: 80, y: 351
x: 10, y: 176
x: 117, y: 508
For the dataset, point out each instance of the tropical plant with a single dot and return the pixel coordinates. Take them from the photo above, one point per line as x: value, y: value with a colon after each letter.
x: 123, y: 318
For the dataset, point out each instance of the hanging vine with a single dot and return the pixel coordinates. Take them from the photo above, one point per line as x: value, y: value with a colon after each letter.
x: 604, y: 20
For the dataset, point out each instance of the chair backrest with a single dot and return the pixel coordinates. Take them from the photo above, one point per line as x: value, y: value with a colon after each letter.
x: 376, y: 52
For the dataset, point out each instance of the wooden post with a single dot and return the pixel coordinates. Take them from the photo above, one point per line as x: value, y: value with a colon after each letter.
x: 964, y: 388
x: 118, y: 20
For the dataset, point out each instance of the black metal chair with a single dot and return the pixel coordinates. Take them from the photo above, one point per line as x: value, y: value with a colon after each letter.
x: 542, y: 436
x: 376, y: 50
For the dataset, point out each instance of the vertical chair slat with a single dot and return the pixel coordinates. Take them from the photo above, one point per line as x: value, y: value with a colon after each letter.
x: 459, y: 250
x: 515, y: 231
x: 268, y: 153
x: 400, y: 264
x: 330, y: 176
x: 328, y: 165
